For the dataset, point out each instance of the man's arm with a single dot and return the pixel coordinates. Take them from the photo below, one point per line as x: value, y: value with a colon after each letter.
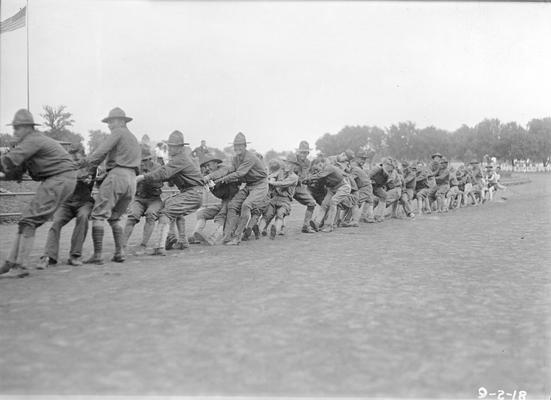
x: 291, y: 180
x: 12, y: 163
x: 105, y: 147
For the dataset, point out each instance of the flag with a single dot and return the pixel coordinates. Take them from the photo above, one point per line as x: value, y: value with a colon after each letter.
x: 15, y: 22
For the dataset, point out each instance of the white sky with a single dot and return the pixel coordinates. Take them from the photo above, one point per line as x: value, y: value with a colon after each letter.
x: 278, y: 71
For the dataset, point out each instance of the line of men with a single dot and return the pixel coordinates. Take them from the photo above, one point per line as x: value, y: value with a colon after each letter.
x: 337, y: 191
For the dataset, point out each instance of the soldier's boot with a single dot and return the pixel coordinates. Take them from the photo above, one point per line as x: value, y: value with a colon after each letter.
x: 97, y: 240
x: 10, y: 261
x: 394, y: 213
x: 196, y: 236
x: 459, y: 200
x: 428, y: 209
x: 118, y: 238
x: 248, y: 230
x: 256, y: 232
x: 273, y: 230
x: 232, y: 220
x: 330, y: 218
x: 26, y: 243
x: 380, y: 212
x: 172, y: 236
x: 182, y: 242
x: 148, y: 229
x: 367, y: 214
x: 240, y: 227
x: 128, y: 228
x: 306, y: 228
x: 159, y: 249
x: 217, y: 236
x: 355, y: 214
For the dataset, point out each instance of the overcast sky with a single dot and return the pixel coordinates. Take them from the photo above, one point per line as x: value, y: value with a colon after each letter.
x: 278, y: 71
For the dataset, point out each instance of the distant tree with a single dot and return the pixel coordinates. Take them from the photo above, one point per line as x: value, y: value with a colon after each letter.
x: 56, y: 118
x: 354, y: 138
x: 539, y: 134
x: 95, y: 137
x: 59, y: 121
x: 400, y: 138
x: 272, y: 154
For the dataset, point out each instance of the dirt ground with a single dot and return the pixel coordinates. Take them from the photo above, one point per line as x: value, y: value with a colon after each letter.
x: 435, y: 307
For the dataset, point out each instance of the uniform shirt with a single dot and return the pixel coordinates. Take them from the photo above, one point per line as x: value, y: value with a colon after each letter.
x: 83, y: 190
x: 359, y: 176
x: 421, y: 180
x: 225, y: 191
x: 180, y: 172
x: 246, y: 168
x: 378, y: 176
x: 149, y: 189
x: 410, y: 179
x: 442, y: 177
x: 119, y: 149
x: 286, y: 183
x: 330, y: 176
x: 39, y: 155
x: 453, y: 180
x: 394, y: 180
x: 302, y: 169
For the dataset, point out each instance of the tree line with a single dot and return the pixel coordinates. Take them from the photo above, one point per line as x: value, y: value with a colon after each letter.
x: 505, y: 141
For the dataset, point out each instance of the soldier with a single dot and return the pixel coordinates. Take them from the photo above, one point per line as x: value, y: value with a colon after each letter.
x: 201, y: 152
x: 337, y: 191
x: 283, y: 183
x: 122, y: 155
x: 147, y: 202
x: 248, y: 168
x: 182, y: 172
x: 442, y: 180
x: 454, y: 194
x: 409, y: 181
x: 379, y: 177
x: 422, y: 188
x: 46, y: 161
x: 478, y: 189
x: 79, y: 206
x: 364, y: 191
x: 217, y: 211
x: 302, y: 192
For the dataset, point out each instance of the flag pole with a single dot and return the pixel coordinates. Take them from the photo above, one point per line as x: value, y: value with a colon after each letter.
x: 27, y: 25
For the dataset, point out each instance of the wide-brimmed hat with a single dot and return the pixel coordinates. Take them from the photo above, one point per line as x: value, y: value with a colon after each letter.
x: 292, y: 158
x: 436, y: 155
x: 304, y: 146
x: 444, y: 160
x: 474, y: 162
x: 116, y: 113
x: 240, y: 139
x: 208, y: 159
x: 23, y: 117
x: 176, y: 138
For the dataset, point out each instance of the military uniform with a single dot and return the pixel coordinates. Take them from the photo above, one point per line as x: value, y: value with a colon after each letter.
x: 338, y: 191
x: 302, y: 191
x: 122, y: 154
x: 79, y: 206
x: 46, y: 161
x: 247, y: 168
x: 283, y: 184
x: 183, y: 173
x: 147, y: 202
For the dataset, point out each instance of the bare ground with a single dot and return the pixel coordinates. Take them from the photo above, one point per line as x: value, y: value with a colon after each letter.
x: 435, y: 307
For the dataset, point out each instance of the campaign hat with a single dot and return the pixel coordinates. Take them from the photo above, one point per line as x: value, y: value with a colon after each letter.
x: 23, y: 117
x: 208, y: 159
x: 176, y: 138
x: 116, y: 113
